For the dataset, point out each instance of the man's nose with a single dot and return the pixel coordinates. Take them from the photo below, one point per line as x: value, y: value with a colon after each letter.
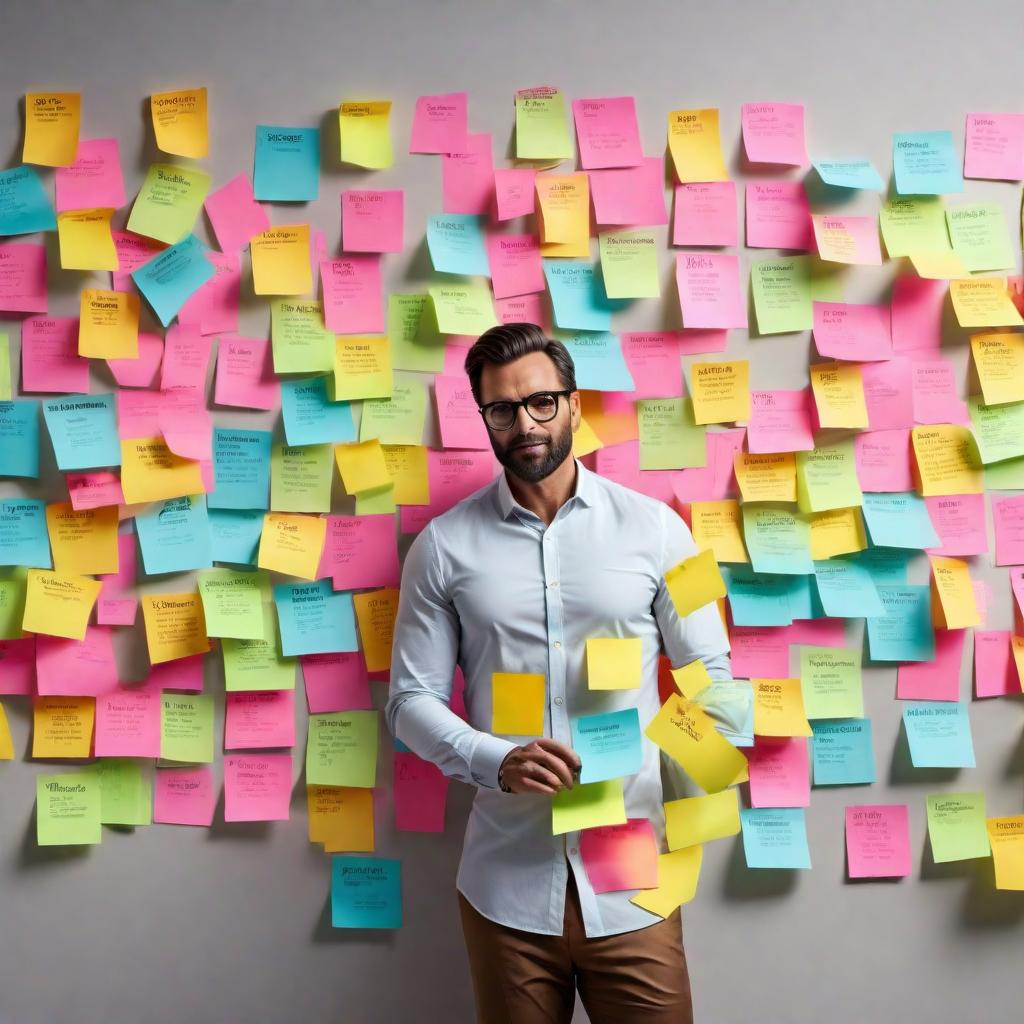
x: 524, y: 421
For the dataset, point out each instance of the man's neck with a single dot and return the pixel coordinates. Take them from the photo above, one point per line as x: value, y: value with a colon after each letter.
x: 547, y: 496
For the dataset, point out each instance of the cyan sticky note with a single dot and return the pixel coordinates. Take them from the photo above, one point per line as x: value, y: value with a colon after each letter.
x: 775, y: 837
x: 19, y: 438
x: 925, y: 164
x: 24, y: 539
x: 842, y: 753
x: 905, y: 631
x: 83, y: 430
x: 846, y: 589
x: 310, y: 417
x: 366, y: 892
x: 578, y: 297
x: 235, y: 534
x: 241, y: 468
x: 457, y: 246
x: 886, y: 565
x: 24, y: 205
x: 899, y: 520
x: 759, y: 599
x: 286, y: 164
x: 170, y: 277
x: 608, y: 744
x: 174, y: 535
x: 938, y: 734
x: 849, y: 174
x: 600, y: 364
x: 314, y: 619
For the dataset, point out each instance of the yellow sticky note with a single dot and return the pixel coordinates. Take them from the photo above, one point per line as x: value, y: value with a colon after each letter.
x: 721, y: 391
x: 375, y: 616
x: 407, y: 467
x: 984, y: 302
x: 585, y: 440
x: 150, y: 471
x: 292, y: 544
x: 281, y: 261
x: 362, y: 367
x: 180, y: 122
x: 766, y: 477
x: 51, y: 128
x: 614, y: 663
x: 940, y: 265
x: 838, y: 390
x: 946, y: 461
x: 999, y: 360
x: 1017, y: 647
x: 717, y: 525
x: 588, y: 805
x: 691, y: 679
x: 695, y: 142
x: 85, y: 240
x: 678, y: 874
x: 563, y: 204
x: 1006, y: 837
x: 365, y: 134
x: 59, y: 604
x: 700, y: 819
x: 517, y: 702
x: 695, y: 582
x: 6, y: 743
x: 779, y: 708
x: 341, y: 817
x: 362, y: 466
x: 687, y: 733
x: 839, y: 531
x: 83, y: 542
x: 62, y: 726
x: 175, y: 626
x: 6, y: 389
x: 611, y: 425
x: 108, y: 324
x: 956, y: 607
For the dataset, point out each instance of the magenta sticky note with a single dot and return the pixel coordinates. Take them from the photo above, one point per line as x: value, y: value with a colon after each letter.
x: 858, y: 333
x: 888, y: 393
x: 245, y: 374
x: 128, y: 724
x: 184, y: 796
x: 514, y: 193
x: 138, y: 413
x: 144, y: 371
x: 50, y: 363
x: 959, y: 520
x: 917, y: 310
x: 621, y: 463
x: 773, y: 133
x: 185, y: 360
x: 79, y: 668
x: 455, y: 356
x: 607, y: 132
x: 618, y: 857
x: 653, y: 359
x: 883, y: 459
x: 23, y: 278
x: 993, y: 146
x: 938, y: 679
x: 261, y: 719
x: 705, y: 214
x: 824, y: 632
x: 709, y: 290
x: 1017, y: 585
x: 780, y: 421
x: 452, y: 476
x: 533, y: 308
x: 336, y: 682
x: 780, y: 774
x: 94, y: 181
x: 361, y: 552
x: 372, y: 220
x: 516, y: 266
x: 995, y: 672
x: 213, y: 306
x: 856, y: 241
x: 353, y: 295
x: 439, y: 124
x: 118, y: 604
x: 759, y: 652
x: 420, y: 793
x: 186, y: 425
x: 460, y: 421
x: 1008, y: 517
x: 779, y: 216
x: 235, y: 214
x: 132, y: 251
x: 94, y: 489
x: 18, y: 666
x: 935, y: 397
x: 257, y: 787
x: 467, y: 177
x: 877, y: 841
x: 633, y: 196
x: 695, y: 341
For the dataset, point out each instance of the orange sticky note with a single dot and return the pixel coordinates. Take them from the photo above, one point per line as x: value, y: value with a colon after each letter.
x: 281, y: 261
x: 180, y: 122
x: 83, y: 542
x: 108, y: 325
x: 779, y: 708
x: 341, y: 817
x: 175, y: 626
x: 292, y: 544
x: 51, y: 128
x: 375, y: 616
x: 517, y: 703
x: 62, y: 726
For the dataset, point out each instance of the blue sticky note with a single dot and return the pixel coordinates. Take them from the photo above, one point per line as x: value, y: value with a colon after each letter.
x: 730, y: 703
x: 241, y: 468
x: 803, y: 599
x: 83, y: 430
x: 366, y: 892
x: 456, y: 244
x: 899, y: 520
x: 174, y: 535
x: 846, y: 589
x: 905, y: 631
x: 578, y: 298
x: 24, y: 205
x: 886, y: 565
x: 938, y: 734
x: 310, y: 417
x: 842, y: 753
x: 775, y: 837
x: 24, y: 539
x: 782, y: 544
x: 286, y: 164
x: 400, y: 747
x: 600, y: 364
x: 19, y: 438
x: 608, y: 744
x: 925, y: 164
x: 849, y: 174
x: 235, y: 534
x: 314, y: 619
x: 170, y: 277
x: 759, y: 599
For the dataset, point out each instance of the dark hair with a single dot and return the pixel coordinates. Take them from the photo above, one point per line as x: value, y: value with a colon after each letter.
x: 509, y: 342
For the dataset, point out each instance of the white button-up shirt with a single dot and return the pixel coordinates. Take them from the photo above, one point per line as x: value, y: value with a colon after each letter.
x: 488, y: 586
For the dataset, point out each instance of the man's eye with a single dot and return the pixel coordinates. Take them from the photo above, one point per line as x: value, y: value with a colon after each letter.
x: 501, y: 409
x: 543, y: 403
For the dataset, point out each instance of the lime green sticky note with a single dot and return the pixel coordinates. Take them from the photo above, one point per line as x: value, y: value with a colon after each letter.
x: 67, y: 809
x: 629, y: 264
x: 913, y: 225
x: 5, y: 368
x: 411, y: 348
x: 300, y: 478
x: 669, y: 438
x: 980, y: 236
x: 126, y: 795
x: 398, y: 419
x: 588, y: 805
x: 341, y: 749
x: 998, y: 429
x: 380, y: 501
x: 956, y: 826
x: 186, y: 727
x: 233, y: 602
x: 1005, y: 476
x: 826, y: 478
x: 830, y: 679
x: 169, y: 202
x: 299, y: 339
x: 12, y: 602
x: 461, y: 307
x: 258, y: 664
x: 785, y: 288
x: 542, y: 128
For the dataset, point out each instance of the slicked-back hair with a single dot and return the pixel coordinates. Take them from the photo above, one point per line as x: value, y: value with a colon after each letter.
x: 508, y: 342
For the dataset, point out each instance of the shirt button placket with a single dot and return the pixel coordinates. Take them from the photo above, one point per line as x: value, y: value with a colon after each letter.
x: 556, y: 658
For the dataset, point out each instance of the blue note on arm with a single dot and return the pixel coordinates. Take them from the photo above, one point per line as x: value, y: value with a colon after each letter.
x: 19, y: 438
x: 608, y: 744
x: 842, y: 753
x: 83, y: 430
x: 286, y: 164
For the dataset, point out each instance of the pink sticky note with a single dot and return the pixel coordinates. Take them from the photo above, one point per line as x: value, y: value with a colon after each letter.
x: 993, y: 146
x: 336, y: 682
x: 453, y: 476
x: 654, y: 362
x: 698, y: 341
x: 995, y: 672
x: 935, y: 393
x: 455, y: 355
x: 516, y: 266
x: 50, y: 362
x: 235, y: 214
x: 883, y: 460
x: 877, y: 841
x: 94, y: 489
x: 846, y: 331
x: 621, y: 463
x: 439, y: 124
x: 420, y: 792
x: 917, y: 310
x: 1008, y: 517
x: 824, y: 632
x: 132, y: 251
x: 773, y: 133
x: 260, y: 719
x: 245, y: 374
x: 778, y: 216
x: 138, y: 413
x: 353, y: 296
x: 467, y: 177
x: 850, y: 240
x: 780, y: 774
x: 184, y: 796
x: 618, y: 857
x: 94, y: 181
x: 361, y: 552
x: 117, y: 604
x: 959, y: 520
x: 79, y: 668
x: 460, y: 422
x: 888, y: 393
x: 213, y: 307
x: 22, y: 278
x: 18, y: 666
x: 257, y: 787
x: 705, y: 214
x: 143, y: 371
x: 983, y: 600
x: 759, y: 652
x: 186, y: 360
x: 185, y: 674
x: 938, y: 679
x: 521, y: 309
x: 372, y: 220
x: 630, y: 196
x: 780, y: 421
x: 128, y: 724
x: 1017, y: 585
x: 186, y: 425
x: 607, y: 131
x: 514, y: 192
x: 709, y: 290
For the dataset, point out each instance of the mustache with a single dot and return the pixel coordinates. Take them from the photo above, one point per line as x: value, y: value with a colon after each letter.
x: 523, y: 440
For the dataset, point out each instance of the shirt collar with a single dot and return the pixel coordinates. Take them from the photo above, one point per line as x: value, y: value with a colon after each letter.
x: 583, y: 494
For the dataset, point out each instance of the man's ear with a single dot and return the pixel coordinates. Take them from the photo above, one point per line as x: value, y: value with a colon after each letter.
x: 575, y: 413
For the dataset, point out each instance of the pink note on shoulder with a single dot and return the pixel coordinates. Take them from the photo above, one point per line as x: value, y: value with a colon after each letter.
x: 779, y: 216
x: 917, y: 309
x: 184, y: 796
x: 773, y: 133
x: 938, y: 679
x: 235, y: 214
x: 467, y: 177
x: 514, y: 192
x: 50, y: 363
x: 516, y: 266
x: 420, y: 792
x: 336, y: 682
x: 780, y: 421
x: 260, y: 719
x: 780, y: 773
x: 23, y: 278
x: 245, y: 374
x: 705, y: 214
x: 372, y: 220
x: 460, y: 423
x: 439, y: 124
x: 995, y: 672
x: 128, y: 724
x: 993, y: 147
x: 94, y: 181
x: 353, y: 296
x: 846, y: 331
x: 143, y: 371
x: 257, y: 787
x: 883, y: 459
x: 618, y: 857
x: 877, y: 841
x: 633, y: 196
x: 607, y: 131
x: 18, y: 666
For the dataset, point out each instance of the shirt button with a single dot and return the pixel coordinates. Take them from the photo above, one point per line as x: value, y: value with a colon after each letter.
x: 553, y: 585
x: 573, y: 851
x: 557, y: 645
x: 559, y: 701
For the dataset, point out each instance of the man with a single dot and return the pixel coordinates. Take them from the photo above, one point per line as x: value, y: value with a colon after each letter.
x: 515, y: 579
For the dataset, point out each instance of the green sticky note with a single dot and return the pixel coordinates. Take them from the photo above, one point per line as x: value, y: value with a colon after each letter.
x: 398, y: 419
x: 186, y: 727
x: 341, y: 749
x: 169, y: 202
x: 830, y: 678
x: 126, y: 795
x: 5, y: 368
x: 998, y: 429
x: 629, y: 264
x: 233, y: 603
x: 778, y: 539
x: 12, y: 602
x: 300, y: 478
x: 826, y: 478
x: 1005, y: 476
x: 913, y: 225
x: 258, y: 664
x: 67, y: 809
x: 785, y: 288
x: 299, y: 339
x: 461, y: 307
x: 411, y: 348
x: 588, y: 805
x: 980, y: 236
x: 956, y: 826
x: 669, y: 438
x: 542, y: 128
x: 376, y: 502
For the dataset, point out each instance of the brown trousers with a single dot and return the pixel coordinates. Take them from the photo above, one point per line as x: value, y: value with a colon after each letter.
x: 523, y: 978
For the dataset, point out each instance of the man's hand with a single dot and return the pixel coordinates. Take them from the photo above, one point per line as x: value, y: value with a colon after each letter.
x: 542, y: 766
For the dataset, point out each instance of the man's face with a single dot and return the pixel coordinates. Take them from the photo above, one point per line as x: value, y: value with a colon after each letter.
x: 530, y: 450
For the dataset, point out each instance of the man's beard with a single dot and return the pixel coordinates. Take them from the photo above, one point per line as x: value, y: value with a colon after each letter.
x: 533, y: 470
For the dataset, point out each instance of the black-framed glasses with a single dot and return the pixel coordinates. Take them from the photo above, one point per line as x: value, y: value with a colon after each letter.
x: 541, y: 405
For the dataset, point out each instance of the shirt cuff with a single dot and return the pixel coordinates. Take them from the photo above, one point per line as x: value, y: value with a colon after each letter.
x: 488, y: 754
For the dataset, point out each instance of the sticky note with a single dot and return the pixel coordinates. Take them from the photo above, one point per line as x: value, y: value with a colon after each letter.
x: 980, y: 237
x: 19, y: 438
x: 150, y: 471
x: 62, y: 726
x: 777, y: 539
x: 310, y: 416
x: 180, y: 122
x: 51, y: 128
x: 721, y: 392
x: 925, y: 163
x: 945, y: 460
x: 518, y: 700
x: 366, y: 892
x: 994, y: 146
x: 372, y: 220
x: 83, y: 431
x: 280, y: 261
x: 257, y: 787
x: 175, y: 626
x: 6, y: 744
x: 952, y: 582
x: 314, y: 619
x: 23, y: 286
x: 365, y: 134
x: 24, y: 207
x: 629, y: 264
x: 59, y: 604
x: 779, y: 708
x: 779, y: 772
x: 695, y: 143
x: 775, y: 837
x: 439, y: 124
x: 608, y: 744
x: 984, y: 302
x: 1006, y: 839
x: 709, y: 290
x: 300, y: 339
x: 678, y: 875
x: 768, y: 477
x: 341, y: 817
x: 846, y: 239
x: 300, y: 478
x: 618, y: 857
x: 830, y: 680
x: 341, y: 749
x: 938, y: 734
x: 695, y: 582
x: 85, y: 240
x: 375, y: 614
x: 826, y: 478
x: 241, y: 464
x: 169, y: 202
x: 291, y: 544
x: 838, y: 390
x: 999, y: 360
x: 956, y: 826
x: 83, y: 542
x: 701, y: 819
x: 877, y: 841
x: 68, y: 809
x: 904, y: 632
x: 669, y: 438
x: 186, y: 727
x: 128, y: 724
x: 588, y: 805
x: 467, y: 176
x: 108, y: 324
x: 778, y: 215
x: 607, y: 132
x: 23, y: 535
x: 841, y: 752
x: 172, y: 276
x: 859, y: 173
x: 93, y: 180
x: 286, y: 163
x: 630, y: 196
x: 563, y: 212
x: 232, y: 603
x: 784, y: 289
x: 773, y: 133
x: 717, y: 525
x: 542, y: 131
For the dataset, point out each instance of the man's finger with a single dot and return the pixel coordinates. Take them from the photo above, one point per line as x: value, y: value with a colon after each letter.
x: 562, y: 750
x: 532, y: 786
x: 555, y: 765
